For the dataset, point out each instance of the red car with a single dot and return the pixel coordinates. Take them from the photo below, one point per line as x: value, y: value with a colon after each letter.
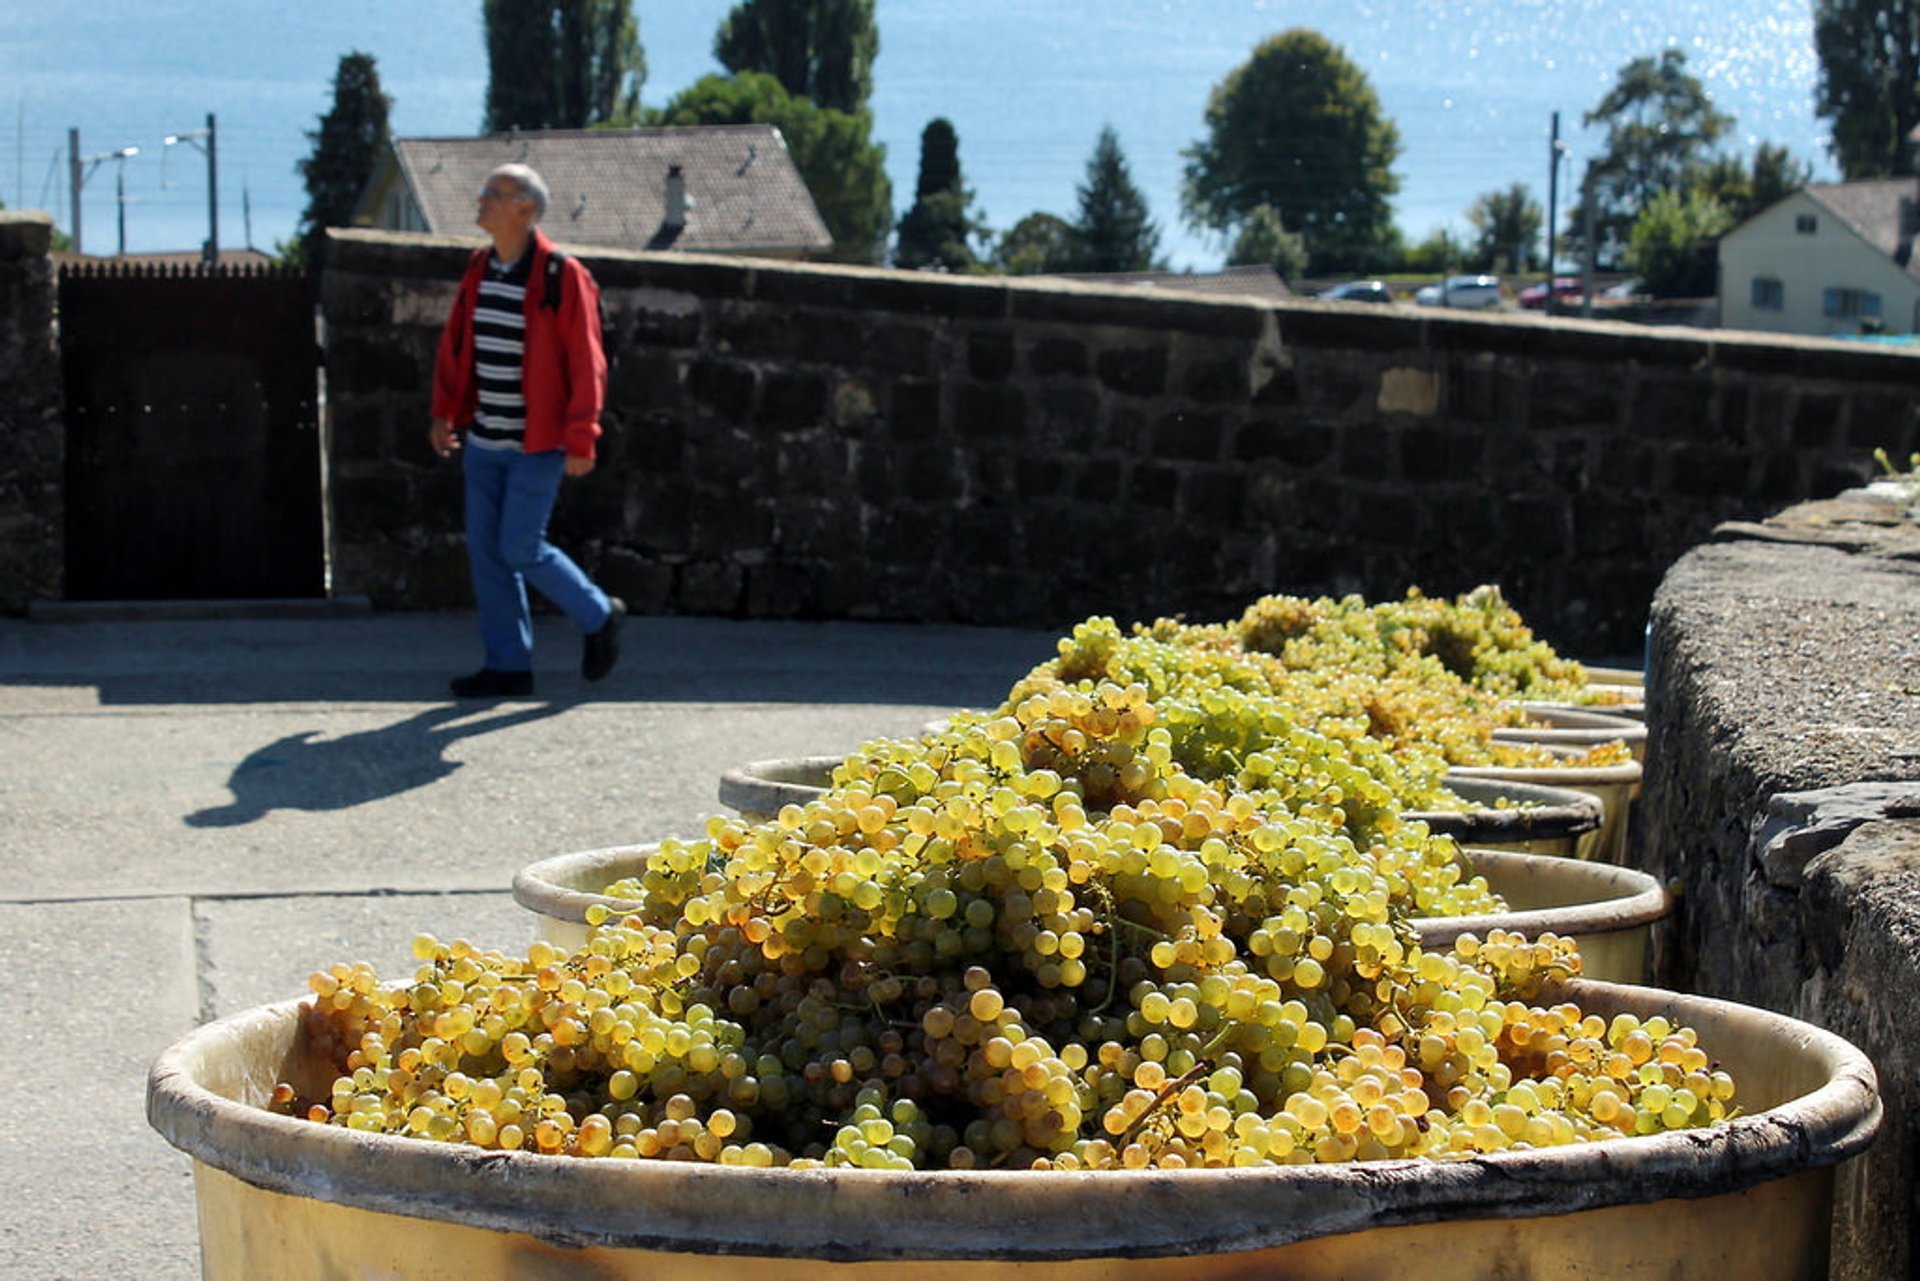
x: 1565, y: 289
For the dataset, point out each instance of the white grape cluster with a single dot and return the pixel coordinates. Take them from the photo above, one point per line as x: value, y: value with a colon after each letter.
x: 1094, y: 931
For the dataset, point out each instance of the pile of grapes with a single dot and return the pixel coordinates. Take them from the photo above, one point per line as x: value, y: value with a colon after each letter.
x: 1152, y: 922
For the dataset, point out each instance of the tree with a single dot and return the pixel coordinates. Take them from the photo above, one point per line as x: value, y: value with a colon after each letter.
x: 818, y: 49
x: 1661, y: 126
x: 562, y: 64
x: 1112, y: 231
x: 1869, y: 86
x: 1674, y: 246
x: 1264, y: 239
x: 345, y: 149
x: 1039, y: 243
x: 844, y: 169
x: 1506, y: 227
x: 1744, y: 191
x: 1298, y: 127
x: 935, y: 231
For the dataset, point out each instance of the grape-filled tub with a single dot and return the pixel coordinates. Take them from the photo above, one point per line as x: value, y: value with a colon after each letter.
x: 292, y: 1199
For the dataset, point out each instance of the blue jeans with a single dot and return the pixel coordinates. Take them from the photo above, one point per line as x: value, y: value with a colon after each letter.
x: 509, y: 495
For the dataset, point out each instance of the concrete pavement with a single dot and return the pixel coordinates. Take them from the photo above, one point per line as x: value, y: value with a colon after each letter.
x: 194, y: 815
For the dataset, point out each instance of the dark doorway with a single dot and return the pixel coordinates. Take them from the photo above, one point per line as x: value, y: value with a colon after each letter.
x: 193, y: 466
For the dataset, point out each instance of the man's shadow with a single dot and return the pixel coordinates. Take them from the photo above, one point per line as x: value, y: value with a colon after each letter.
x: 304, y: 772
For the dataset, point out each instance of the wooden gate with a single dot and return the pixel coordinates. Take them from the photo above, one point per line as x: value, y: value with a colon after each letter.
x: 193, y: 466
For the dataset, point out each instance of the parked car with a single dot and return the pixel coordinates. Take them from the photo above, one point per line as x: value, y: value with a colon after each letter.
x: 1461, y: 291
x: 1358, y: 291
x: 1565, y: 289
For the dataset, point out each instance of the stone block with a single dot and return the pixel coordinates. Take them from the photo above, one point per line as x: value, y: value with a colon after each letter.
x: 644, y: 582
x: 1607, y: 525
x: 1154, y: 485
x: 1133, y: 371
x: 927, y: 474
x: 1676, y: 408
x: 913, y: 409
x: 1407, y: 390
x: 653, y: 318
x: 1580, y: 396
x: 1429, y: 453
x: 656, y: 444
x: 984, y: 411
x: 369, y: 364
x: 1100, y: 481
x: 1213, y: 382
x: 990, y: 355
x: 897, y: 348
x: 1708, y: 470
x: 779, y: 589
x: 713, y: 587
x: 1297, y: 442
x: 829, y: 338
x: 722, y: 386
x: 790, y: 400
x: 661, y: 517
x: 1067, y: 417
x: 1040, y: 477
x: 983, y: 540
x: 1214, y: 496
x: 816, y: 527
x: 752, y: 333
x: 1816, y: 420
x: 1051, y: 356
x: 1187, y: 435
x: 815, y: 462
x: 1366, y: 452
x: 1883, y: 422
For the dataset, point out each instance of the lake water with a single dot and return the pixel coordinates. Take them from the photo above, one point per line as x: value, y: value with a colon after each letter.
x: 1471, y: 85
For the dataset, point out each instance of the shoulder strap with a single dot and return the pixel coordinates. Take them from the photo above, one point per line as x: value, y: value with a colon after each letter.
x: 550, y: 295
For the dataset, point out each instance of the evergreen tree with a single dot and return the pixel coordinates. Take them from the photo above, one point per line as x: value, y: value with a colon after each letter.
x: 844, y: 169
x: 1298, y: 127
x: 1263, y: 240
x: 345, y: 149
x: 562, y: 64
x: 1869, y: 88
x: 1744, y: 191
x: 1112, y: 231
x: 936, y: 230
x: 818, y: 49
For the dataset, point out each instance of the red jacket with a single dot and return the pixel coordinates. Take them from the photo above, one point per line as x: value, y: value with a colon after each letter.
x: 565, y: 370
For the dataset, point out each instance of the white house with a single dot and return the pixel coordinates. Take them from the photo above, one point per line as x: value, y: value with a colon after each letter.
x: 1833, y: 258
x: 725, y: 189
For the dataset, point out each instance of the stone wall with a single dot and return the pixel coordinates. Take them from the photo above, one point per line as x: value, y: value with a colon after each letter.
x: 813, y: 441
x: 32, y: 440
x: 1782, y: 798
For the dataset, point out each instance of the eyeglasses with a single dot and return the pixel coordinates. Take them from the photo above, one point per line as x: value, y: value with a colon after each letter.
x: 494, y: 193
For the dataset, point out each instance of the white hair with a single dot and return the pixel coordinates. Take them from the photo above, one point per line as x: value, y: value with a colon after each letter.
x: 531, y: 185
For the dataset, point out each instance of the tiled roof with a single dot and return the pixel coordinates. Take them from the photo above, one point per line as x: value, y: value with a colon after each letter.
x: 609, y: 187
x: 1884, y: 211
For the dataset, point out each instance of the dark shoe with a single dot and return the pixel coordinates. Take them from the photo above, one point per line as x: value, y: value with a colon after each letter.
x: 602, y: 648
x: 487, y: 683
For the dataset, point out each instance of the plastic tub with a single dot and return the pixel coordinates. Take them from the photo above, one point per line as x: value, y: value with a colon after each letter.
x: 1614, y: 785
x: 1535, y: 818
x: 1752, y: 1199
x: 1580, y: 727
x: 1607, y: 910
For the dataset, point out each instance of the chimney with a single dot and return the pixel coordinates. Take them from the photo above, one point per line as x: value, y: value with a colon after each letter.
x: 678, y: 206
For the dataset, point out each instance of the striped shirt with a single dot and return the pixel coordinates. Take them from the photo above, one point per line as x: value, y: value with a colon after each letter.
x: 499, y: 351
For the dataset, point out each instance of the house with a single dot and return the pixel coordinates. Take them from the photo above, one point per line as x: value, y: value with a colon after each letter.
x: 719, y: 189
x: 1831, y: 259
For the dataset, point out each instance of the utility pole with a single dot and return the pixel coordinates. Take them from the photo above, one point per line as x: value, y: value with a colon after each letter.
x: 80, y: 168
x: 1589, y: 222
x: 1554, y: 151
x: 210, y: 252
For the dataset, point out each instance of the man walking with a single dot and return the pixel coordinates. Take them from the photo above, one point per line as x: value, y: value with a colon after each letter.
x: 521, y: 375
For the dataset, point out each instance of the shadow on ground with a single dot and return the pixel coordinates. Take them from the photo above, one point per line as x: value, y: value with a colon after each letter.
x: 306, y: 772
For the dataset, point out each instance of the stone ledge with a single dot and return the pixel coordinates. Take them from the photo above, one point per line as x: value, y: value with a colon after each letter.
x: 173, y: 611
